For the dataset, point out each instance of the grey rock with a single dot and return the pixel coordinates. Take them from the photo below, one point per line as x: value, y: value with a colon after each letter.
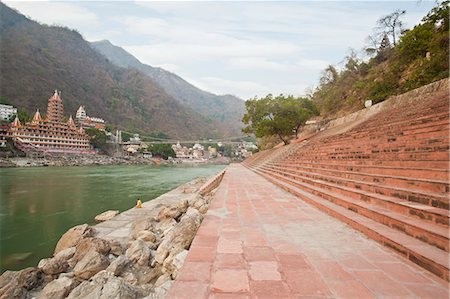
x: 139, y: 253
x: 17, y: 283
x: 58, y: 288
x: 92, y: 263
x: 118, y: 265
x: 181, y: 236
x: 53, y: 266
x: 89, y: 244
x: 73, y: 236
x: 107, y: 215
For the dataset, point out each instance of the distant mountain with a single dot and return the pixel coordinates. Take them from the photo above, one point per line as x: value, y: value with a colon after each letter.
x: 226, y: 109
x: 36, y: 59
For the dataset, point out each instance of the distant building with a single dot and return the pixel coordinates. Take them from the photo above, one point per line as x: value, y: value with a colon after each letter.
x: 50, y: 135
x: 6, y: 111
x: 85, y: 121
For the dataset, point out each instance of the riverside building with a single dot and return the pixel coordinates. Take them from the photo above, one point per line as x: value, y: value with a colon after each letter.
x: 51, y: 134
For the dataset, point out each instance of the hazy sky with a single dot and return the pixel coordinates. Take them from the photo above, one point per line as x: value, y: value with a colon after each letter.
x: 243, y: 48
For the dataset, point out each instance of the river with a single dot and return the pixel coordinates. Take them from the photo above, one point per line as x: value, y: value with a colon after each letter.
x: 37, y: 205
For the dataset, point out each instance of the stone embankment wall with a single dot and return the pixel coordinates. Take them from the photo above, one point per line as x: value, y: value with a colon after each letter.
x: 136, y: 254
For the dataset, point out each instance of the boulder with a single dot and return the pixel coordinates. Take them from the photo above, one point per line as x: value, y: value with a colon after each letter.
x: 92, y: 263
x: 183, y: 205
x: 106, y: 215
x: 139, y: 253
x: 173, y: 263
x: 66, y: 254
x: 147, y: 275
x: 181, y: 236
x: 118, y: 265
x: 58, y: 288
x: 165, y: 225
x: 53, y: 266
x: 162, y: 280
x: 105, y: 285
x: 146, y: 236
x: 73, y: 236
x: 193, y: 198
x: 140, y: 225
x: 161, y: 291
x: 169, y: 212
x: 116, y: 247
x: 89, y: 244
x: 17, y: 283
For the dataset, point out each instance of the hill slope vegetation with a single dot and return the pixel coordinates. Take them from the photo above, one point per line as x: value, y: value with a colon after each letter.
x: 226, y: 111
x: 35, y: 59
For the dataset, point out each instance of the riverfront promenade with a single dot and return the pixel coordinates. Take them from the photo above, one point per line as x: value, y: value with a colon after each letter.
x: 258, y: 241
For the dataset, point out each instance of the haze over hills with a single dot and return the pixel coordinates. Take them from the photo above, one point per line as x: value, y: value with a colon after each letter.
x: 35, y: 59
x: 227, y: 109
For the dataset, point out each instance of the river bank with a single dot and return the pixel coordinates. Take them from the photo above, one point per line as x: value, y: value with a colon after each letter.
x: 89, y: 160
x: 134, y: 255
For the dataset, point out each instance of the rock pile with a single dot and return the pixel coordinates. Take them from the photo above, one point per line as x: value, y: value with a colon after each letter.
x: 85, y: 266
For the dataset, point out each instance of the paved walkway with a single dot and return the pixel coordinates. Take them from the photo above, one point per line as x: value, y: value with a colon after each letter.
x: 258, y: 241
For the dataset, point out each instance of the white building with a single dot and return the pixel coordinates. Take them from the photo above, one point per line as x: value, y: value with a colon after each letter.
x: 6, y: 111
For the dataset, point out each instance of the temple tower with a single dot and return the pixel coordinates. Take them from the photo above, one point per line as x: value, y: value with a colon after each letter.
x: 55, y: 108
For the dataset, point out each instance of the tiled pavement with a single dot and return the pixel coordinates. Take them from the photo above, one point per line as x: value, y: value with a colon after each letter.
x: 258, y: 241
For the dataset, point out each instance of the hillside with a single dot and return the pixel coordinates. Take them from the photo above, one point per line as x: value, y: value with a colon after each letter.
x: 227, y: 109
x: 36, y: 59
x: 419, y: 57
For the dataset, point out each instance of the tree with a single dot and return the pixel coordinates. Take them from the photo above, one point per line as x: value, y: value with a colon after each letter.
x: 391, y: 25
x: 281, y: 116
x: 97, y: 138
x: 163, y: 150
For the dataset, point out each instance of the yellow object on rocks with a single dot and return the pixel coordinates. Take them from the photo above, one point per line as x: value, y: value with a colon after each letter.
x: 139, y: 203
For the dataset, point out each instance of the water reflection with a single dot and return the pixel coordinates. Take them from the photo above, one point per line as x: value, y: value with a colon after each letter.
x: 37, y: 205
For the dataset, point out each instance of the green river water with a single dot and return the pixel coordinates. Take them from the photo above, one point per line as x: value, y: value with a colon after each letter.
x: 37, y: 205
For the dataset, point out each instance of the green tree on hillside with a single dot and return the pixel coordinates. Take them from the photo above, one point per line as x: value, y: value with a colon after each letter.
x: 282, y: 116
x: 163, y: 150
x: 97, y: 138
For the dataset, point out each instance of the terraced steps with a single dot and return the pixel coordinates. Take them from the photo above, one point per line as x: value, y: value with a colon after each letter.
x: 388, y: 176
x: 428, y: 257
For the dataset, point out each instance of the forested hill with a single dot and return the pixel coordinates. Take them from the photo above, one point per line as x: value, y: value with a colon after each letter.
x: 226, y: 109
x: 36, y: 59
x: 420, y: 56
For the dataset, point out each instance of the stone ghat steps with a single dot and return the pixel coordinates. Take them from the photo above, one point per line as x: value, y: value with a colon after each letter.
x: 396, y: 119
x: 409, y: 194
x: 356, y: 198
x: 413, y: 184
x: 436, y: 110
x: 437, y: 174
x: 441, y: 164
x: 257, y: 159
x: 425, y: 255
x: 389, y: 132
x: 437, y: 140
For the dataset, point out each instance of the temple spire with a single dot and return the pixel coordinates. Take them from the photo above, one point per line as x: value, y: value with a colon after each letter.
x: 55, y: 108
x: 36, y: 118
x: 71, y: 123
x: 16, y: 123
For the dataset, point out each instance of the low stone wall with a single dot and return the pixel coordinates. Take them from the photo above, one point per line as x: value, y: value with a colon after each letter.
x: 136, y: 254
x: 212, y: 183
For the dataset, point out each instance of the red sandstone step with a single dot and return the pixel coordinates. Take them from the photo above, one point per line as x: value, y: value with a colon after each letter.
x: 387, y: 128
x: 346, y: 195
x: 430, y: 233
x: 444, y: 164
x: 399, y: 134
x: 440, y: 187
x: 431, y: 199
x: 426, y: 256
x: 433, y: 152
x: 417, y: 173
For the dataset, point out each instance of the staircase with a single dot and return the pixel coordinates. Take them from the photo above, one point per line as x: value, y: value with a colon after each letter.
x: 388, y: 177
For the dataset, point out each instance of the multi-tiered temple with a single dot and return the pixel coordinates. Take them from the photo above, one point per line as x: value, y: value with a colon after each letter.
x: 51, y: 134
